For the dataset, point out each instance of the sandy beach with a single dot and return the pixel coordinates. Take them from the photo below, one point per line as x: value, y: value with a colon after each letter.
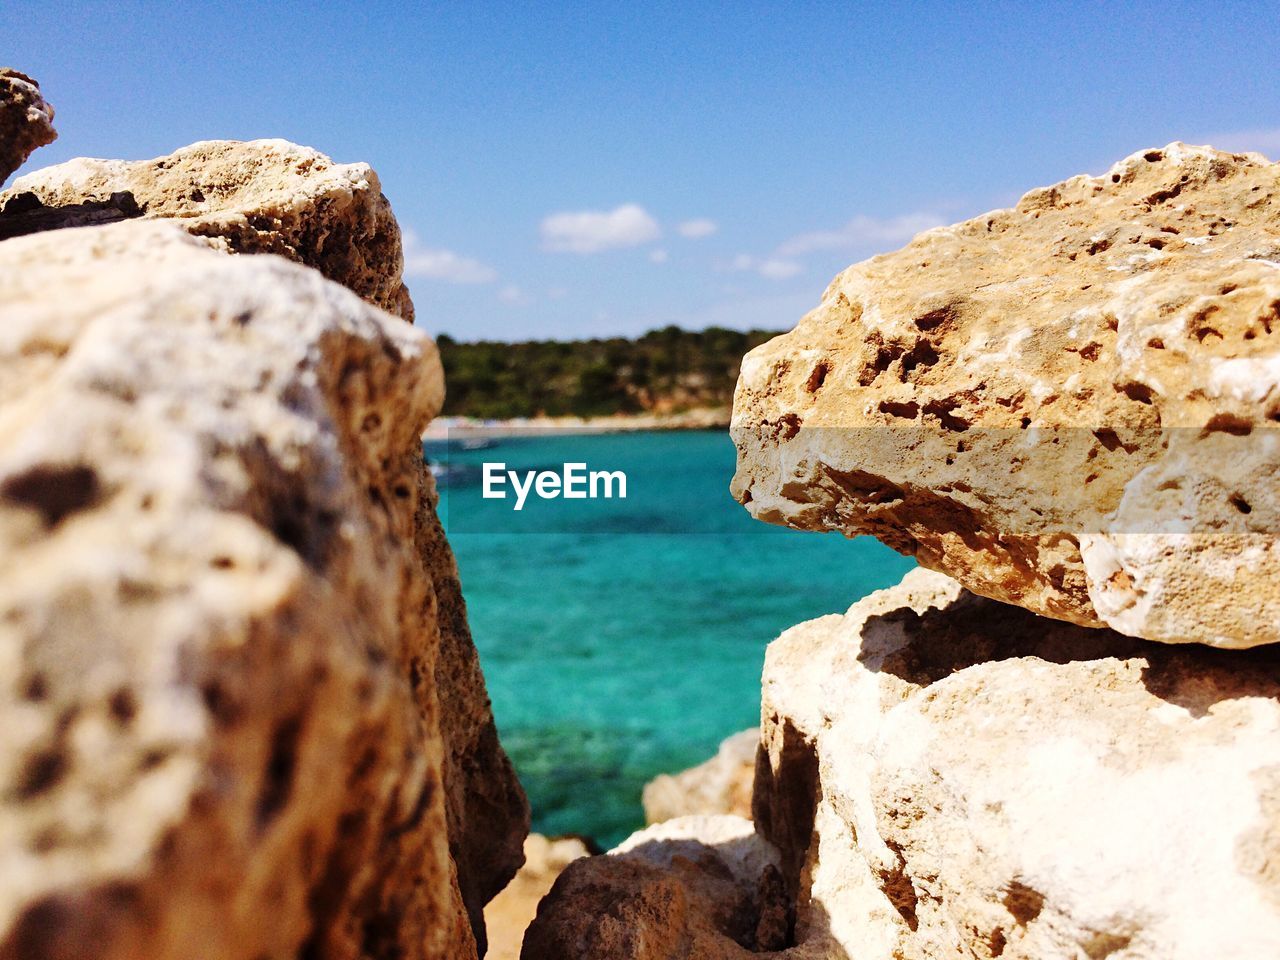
x: 446, y: 428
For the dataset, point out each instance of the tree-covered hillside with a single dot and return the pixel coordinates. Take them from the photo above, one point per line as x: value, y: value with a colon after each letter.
x: 664, y: 371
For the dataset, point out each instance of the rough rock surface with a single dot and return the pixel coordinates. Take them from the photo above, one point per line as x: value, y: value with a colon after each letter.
x: 259, y: 196
x: 1070, y: 405
x: 270, y: 196
x: 220, y: 629
x: 509, y: 914
x: 951, y: 776
x: 720, y: 785
x: 26, y: 120
x: 704, y: 887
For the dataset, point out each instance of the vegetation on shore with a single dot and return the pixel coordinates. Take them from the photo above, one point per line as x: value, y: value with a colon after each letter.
x: 665, y: 371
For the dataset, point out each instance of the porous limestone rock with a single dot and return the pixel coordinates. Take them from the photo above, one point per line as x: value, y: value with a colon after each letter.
x: 719, y: 785
x: 509, y: 914
x: 270, y: 196
x: 952, y: 776
x: 1070, y: 405
x: 222, y: 727
x: 26, y: 120
x: 698, y: 886
x: 259, y: 196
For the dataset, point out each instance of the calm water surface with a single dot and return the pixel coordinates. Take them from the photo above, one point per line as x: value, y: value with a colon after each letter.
x: 624, y: 638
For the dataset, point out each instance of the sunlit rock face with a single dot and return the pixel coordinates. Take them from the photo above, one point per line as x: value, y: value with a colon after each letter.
x: 212, y: 610
x: 948, y: 775
x: 271, y: 196
x: 257, y: 196
x: 944, y: 775
x: 1070, y: 405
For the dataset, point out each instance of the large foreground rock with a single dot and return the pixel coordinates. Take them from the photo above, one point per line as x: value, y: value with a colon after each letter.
x: 719, y: 785
x: 222, y: 732
x: 270, y: 196
x: 260, y: 196
x: 951, y: 776
x: 1070, y: 405
x: 26, y: 120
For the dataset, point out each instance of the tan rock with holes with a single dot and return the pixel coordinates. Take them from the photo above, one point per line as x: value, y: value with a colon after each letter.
x: 26, y: 120
x: 221, y: 629
x: 270, y: 196
x: 259, y: 196
x: 1070, y: 405
x: 719, y: 785
x: 952, y: 776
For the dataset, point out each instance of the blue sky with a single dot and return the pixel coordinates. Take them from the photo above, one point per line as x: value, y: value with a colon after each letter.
x: 596, y: 169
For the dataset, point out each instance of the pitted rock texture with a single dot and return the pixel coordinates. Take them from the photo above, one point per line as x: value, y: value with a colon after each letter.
x: 258, y: 196
x: 1070, y: 405
x: 221, y: 730
x: 951, y: 776
x: 719, y: 785
x: 270, y: 196
x: 699, y: 886
x: 26, y: 120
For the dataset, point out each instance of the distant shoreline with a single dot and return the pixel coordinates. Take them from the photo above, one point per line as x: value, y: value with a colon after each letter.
x: 453, y: 428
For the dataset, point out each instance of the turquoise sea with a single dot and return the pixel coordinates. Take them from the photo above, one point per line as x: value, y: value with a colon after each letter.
x: 624, y: 638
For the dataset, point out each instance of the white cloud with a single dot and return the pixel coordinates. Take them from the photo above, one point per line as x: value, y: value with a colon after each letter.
x: 659, y: 256
x: 445, y: 265
x: 590, y: 231
x: 696, y: 229
x: 772, y: 268
x: 513, y: 295
x: 1241, y: 141
x: 861, y: 232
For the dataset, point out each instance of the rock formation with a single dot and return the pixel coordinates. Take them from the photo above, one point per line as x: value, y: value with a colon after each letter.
x: 719, y: 785
x: 261, y: 196
x: 1020, y: 788
x: 704, y: 887
x: 26, y: 120
x: 509, y: 914
x: 245, y: 710
x: 213, y: 610
x: 946, y: 775
x: 1070, y: 405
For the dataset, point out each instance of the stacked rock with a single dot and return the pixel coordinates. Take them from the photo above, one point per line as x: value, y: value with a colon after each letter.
x: 1061, y: 738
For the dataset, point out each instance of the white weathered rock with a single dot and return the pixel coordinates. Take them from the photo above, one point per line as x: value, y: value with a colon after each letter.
x: 221, y: 733
x: 719, y: 785
x: 951, y: 776
x: 1070, y: 405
